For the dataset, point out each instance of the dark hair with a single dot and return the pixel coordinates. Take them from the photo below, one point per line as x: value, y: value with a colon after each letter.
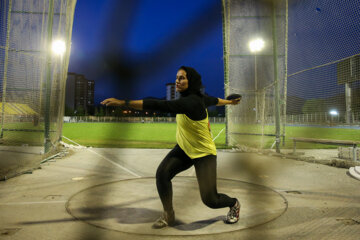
x: 194, y: 78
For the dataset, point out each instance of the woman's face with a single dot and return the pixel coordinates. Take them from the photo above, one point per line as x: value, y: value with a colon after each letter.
x: 181, y: 83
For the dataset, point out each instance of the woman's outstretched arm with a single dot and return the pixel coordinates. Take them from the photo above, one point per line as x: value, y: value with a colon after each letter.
x: 222, y: 102
x: 136, y: 104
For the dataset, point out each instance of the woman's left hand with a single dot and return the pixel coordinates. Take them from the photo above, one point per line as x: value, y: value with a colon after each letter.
x: 113, y: 102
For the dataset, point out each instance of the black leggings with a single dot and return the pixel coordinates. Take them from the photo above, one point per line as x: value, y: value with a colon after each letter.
x: 177, y: 161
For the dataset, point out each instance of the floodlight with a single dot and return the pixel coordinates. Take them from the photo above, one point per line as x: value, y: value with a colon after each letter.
x: 334, y: 113
x: 256, y: 45
x: 58, y: 47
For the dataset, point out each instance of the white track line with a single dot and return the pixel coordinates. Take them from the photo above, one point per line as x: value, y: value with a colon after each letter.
x: 218, y: 134
x: 28, y: 203
x: 116, y: 164
x: 71, y: 141
x: 105, y: 158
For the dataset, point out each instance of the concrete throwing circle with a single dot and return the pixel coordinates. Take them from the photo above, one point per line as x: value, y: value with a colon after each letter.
x: 133, y: 205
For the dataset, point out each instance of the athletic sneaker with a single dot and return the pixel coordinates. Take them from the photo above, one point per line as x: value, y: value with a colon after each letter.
x: 234, y: 214
x: 166, y: 219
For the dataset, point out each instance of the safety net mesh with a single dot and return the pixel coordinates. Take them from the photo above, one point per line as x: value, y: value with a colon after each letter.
x: 32, y: 76
x: 303, y: 82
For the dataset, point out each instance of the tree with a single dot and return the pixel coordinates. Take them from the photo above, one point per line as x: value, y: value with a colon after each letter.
x: 80, y: 111
x: 68, y: 111
x: 101, y: 112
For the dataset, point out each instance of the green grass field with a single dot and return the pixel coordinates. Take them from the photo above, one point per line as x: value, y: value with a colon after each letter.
x: 35, y: 138
x: 162, y: 135
x: 138, y: 135
x: 295, y: 131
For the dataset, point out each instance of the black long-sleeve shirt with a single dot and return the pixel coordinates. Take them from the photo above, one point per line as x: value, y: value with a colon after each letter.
x: 193, y: 106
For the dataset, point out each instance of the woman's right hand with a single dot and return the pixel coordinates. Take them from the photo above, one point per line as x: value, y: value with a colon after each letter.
x: 113, y: 102
x: 235, y: 101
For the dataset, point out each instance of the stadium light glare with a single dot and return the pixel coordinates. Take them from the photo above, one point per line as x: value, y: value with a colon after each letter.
x: 334, y: 113
x: 58, y: 47
x: 256, y: 45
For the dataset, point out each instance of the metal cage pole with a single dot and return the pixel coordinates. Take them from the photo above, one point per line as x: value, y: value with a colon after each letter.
x: 3, y: 100
x: 47, y: 139
x: 225, y: 13
x: 276, y: 80
x: 285, y: 74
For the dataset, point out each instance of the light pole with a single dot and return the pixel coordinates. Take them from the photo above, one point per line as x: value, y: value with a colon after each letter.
x: 333, y: 113
x: 256, y: 46
x: 57, y: 48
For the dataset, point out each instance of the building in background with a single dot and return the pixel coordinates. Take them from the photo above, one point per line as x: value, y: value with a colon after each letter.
x: 172, y: 94
x: 79, y: 94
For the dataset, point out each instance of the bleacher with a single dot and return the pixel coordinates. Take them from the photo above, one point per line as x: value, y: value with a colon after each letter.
x: 11, y: 108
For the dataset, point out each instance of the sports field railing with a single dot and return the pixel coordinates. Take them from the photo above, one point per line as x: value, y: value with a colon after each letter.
x: 76, y: 119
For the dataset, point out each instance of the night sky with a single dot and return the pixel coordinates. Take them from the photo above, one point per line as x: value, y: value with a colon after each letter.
x: 320, y: 32
x: 132, y: 48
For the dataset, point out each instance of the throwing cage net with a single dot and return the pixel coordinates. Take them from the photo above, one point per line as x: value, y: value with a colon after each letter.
x: 32, y: 76
x: 302, y: 81
x: 255, y: 67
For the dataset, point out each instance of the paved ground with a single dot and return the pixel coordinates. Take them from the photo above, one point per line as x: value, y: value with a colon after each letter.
x: 110, y: 194
x: 18, y: 159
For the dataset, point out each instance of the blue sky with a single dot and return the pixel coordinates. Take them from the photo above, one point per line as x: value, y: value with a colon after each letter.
x: 320, y: 32
x: 151, y: 40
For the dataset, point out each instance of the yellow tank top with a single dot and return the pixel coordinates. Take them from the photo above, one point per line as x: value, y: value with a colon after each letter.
x: 194, y: 137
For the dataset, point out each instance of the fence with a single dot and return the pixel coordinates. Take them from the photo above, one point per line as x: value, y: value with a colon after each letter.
x: 32, y: 75
x: 323, y: 118
x: 255, y: 65
x: 104, y: 119
x: 294, y: 62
